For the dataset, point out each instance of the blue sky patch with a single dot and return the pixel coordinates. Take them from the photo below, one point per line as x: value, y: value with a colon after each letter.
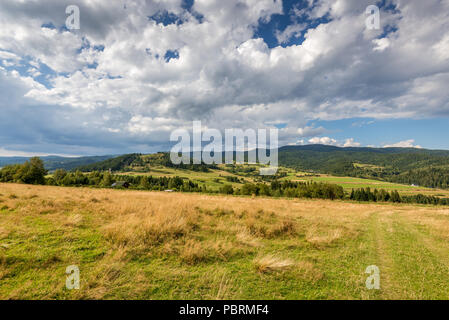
x: 48, y: 25
x: 378, y: 132
x: 280, y: 22
x: 171, y: 54
x: 166, y: 18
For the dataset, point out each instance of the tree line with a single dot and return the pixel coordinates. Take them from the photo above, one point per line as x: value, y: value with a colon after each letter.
x: 366, y: 194
x: 33, y: 172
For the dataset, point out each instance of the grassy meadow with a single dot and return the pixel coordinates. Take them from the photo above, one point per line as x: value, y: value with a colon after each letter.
x: 216, y: 178
x: 157, y: 245
x: 349, y: 183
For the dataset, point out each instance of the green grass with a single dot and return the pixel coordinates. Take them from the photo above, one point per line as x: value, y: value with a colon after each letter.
x: 34, y: 258
x: 214, y: 179
x: 349, y: 183
x: 323, y: 247
x: 35, y: 252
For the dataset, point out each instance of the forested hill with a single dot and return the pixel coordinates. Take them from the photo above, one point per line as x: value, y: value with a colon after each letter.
x: 336, y: 159
x: 422, y: 167
x: 404, y: 165
x: 118, y: 163
x: 139, y: 162
x: 55, y: 162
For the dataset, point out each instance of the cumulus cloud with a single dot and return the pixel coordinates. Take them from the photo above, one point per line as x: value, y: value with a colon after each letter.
x: 381, y: 44
x: 129, y: 76
x: 403, y: 144
x: 292, y: 31
x: 351, y: 143
x: 310, y: 131
x: 323, y: 140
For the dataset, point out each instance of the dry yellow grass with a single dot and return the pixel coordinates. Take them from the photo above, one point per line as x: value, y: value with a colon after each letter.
x: 137, y: 244
x: 270, y: 263
x: 314, y: 237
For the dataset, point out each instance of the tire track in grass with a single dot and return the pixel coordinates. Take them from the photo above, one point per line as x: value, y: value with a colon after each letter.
x: 389, y: 288
x: 416, y: 268
x: 438, y: 247
x: 348, y: 265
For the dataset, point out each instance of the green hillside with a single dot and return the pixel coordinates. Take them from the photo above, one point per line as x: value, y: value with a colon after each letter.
x: 420, y: 167
x: 429, y: 168
x: 55, y: 162
x: 423, y: 167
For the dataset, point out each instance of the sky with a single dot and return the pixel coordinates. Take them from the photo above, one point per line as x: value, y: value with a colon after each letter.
x: 136, y: 71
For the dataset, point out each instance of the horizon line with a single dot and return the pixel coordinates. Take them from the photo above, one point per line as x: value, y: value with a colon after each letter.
x: 22, y: 154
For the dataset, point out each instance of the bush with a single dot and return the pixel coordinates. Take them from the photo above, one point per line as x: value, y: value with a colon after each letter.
x: 227, y: 189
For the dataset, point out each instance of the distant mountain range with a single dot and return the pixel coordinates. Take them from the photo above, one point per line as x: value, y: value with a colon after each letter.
x: 403, y: 165
x: 56, y: 162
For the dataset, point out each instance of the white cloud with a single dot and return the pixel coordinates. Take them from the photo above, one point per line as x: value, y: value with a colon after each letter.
x: 310, y: 131
x: 323, y: 140
x: 15, y: 153
x: 403, y: 144
x: 351, y: 143
x: 381, y: 44
x: 223, y: 76
x: 9, y: 56
x: 292, y: 31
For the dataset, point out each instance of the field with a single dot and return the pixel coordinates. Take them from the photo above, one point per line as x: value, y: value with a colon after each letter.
x: 156, y: 245
x: 216, y: 178
x: 349, y: 183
